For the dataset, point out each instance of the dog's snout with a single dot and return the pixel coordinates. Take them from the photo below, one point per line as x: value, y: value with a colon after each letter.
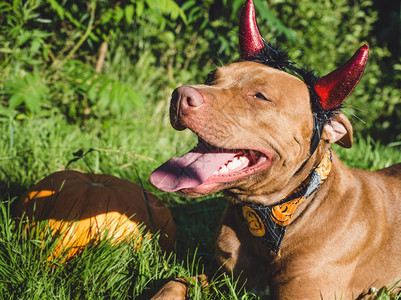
x: 190, y: 97
x: 184, y: 102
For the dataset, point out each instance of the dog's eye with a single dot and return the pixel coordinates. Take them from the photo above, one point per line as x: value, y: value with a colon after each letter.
x: 260, y: 96
x: 211, y: 77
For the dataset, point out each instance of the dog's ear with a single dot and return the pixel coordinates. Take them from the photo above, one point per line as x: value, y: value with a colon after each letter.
x: 338, y: 130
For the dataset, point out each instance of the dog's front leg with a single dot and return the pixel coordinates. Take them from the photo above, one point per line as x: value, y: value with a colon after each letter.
x: 174, y: 289
x: 178, y: 289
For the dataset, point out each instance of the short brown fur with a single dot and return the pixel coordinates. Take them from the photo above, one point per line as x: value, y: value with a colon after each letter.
x: 342, y: 240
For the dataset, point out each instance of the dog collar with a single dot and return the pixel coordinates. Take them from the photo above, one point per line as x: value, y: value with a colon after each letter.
x: 268, y: 223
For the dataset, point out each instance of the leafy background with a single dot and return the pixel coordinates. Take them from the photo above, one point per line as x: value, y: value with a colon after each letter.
x: 81, y: 75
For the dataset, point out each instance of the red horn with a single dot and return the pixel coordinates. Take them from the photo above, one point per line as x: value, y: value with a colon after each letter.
x: 335, y: 87
x: 250, y: 40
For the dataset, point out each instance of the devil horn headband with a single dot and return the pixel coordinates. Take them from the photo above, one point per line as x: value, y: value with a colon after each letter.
x: 332, y: 89
x: 335, y: 87
x: 250, y: 39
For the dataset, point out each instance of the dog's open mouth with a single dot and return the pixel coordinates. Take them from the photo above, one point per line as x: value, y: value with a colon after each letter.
x: 208, y: 166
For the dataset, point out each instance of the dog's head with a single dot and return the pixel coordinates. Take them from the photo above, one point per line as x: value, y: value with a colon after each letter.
x: 257, y: 124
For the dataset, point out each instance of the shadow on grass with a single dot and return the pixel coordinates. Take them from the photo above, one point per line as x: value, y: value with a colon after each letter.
x: 197, y: 221
x: 11, y: 190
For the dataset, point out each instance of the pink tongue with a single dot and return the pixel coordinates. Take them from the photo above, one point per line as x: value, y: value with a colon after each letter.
x: 190, y: 170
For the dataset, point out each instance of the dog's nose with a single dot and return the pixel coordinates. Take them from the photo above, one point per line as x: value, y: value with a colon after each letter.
x: 190, y: 98
x: 184, y: 101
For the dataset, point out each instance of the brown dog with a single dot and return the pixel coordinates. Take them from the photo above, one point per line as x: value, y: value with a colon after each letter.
x: 299, y: 222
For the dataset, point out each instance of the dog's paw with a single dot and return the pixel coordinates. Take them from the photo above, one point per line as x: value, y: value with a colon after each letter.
x: 175, y: 289
x: 178, y: 289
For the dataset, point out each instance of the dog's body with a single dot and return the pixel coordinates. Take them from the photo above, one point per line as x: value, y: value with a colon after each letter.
x: 341, y: 241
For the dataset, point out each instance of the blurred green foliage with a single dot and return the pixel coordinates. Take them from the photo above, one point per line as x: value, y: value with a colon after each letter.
x: 49, y: 50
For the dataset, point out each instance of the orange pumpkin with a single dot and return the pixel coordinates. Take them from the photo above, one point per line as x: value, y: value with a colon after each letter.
x: 85, y: 207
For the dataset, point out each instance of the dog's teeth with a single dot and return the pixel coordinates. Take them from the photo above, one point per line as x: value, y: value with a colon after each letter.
x: 235, y: 163
x: 243, y: 159
x: 223, y: 169
x: 231, y: 165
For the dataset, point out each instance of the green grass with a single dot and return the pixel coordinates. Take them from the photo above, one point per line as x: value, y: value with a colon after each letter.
x: 32, y: 148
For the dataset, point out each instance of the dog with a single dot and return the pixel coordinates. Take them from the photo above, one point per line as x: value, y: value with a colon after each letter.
x: 299, y: 222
